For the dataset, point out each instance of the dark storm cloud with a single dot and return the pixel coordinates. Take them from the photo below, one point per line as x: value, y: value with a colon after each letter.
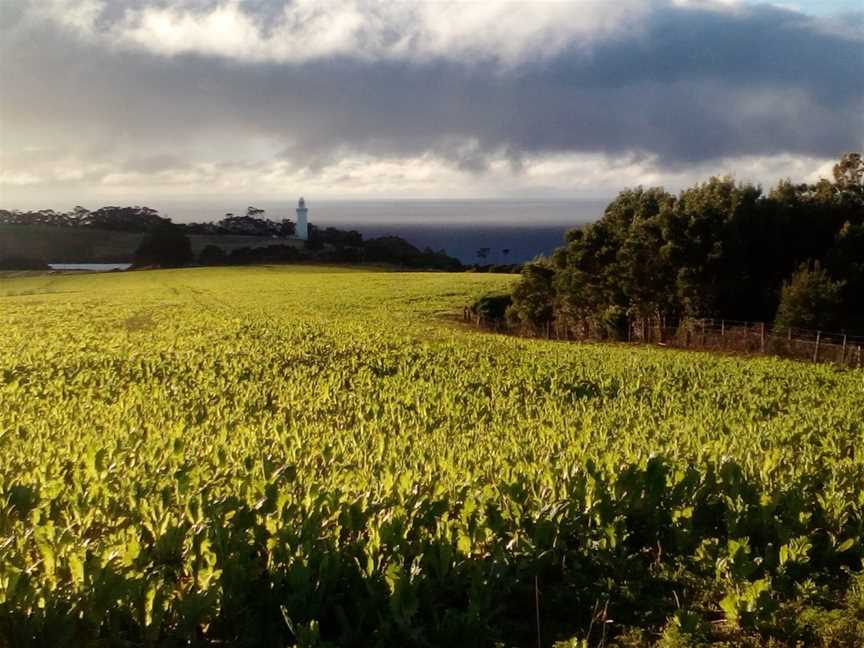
x: 693, y: 85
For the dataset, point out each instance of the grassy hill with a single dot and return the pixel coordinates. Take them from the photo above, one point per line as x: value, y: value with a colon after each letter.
x: 298, y: 455
x: 86, y: 245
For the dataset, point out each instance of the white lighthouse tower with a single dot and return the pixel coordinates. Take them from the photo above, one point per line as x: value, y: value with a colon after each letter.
x: 301, y: 230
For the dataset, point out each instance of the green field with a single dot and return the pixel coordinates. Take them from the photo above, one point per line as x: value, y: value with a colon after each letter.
x: 281, y: 456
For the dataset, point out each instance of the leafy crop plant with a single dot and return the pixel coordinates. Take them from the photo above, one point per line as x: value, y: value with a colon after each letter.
x: 325, y: 457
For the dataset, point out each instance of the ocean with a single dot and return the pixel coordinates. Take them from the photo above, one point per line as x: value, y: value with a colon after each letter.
x: 513, y: 230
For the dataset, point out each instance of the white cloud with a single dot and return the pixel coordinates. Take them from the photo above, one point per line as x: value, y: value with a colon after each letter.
x: 77, y: 15
x: 17, y: 179
x: 358, y: 175
x: 506, y: 32
x: 87, y: 124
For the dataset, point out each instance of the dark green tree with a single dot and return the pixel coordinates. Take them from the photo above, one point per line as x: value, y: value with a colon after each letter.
x: 703, y: 238
x: 533, y: 297
x: 646, y: 274
x: 849, y: 174
x: 810, y: 299
x: 718, y: 249
x: 846, y: 260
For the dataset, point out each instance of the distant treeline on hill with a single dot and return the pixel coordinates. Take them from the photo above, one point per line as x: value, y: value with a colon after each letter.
x: 170, y: 247
x: 122, y: 219
x: 321, y: 248
x: 794, y: 256
x: 146, y: 219
x: 166, y: 244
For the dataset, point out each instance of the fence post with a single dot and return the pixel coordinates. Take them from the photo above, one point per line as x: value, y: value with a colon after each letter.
x: 762, y: 337
x: 843, y: 361
x: 816, y: 350
x: 859, y: 357
x: 789, y: 337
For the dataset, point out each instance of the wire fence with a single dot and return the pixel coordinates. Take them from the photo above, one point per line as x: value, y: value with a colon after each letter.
x: 736, y: 336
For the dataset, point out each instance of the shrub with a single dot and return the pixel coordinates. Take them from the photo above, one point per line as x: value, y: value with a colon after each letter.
x: 533, y: 296
x: 810, y: 299
x: 492, y: 307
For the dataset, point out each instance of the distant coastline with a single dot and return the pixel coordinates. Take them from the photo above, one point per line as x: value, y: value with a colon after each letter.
x: 514, y: 231
x: 463, y: 241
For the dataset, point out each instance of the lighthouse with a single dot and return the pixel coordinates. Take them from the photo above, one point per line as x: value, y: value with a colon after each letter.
x: 301, y: 230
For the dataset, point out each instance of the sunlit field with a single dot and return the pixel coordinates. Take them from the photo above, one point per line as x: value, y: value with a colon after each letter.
x: 280, y: 456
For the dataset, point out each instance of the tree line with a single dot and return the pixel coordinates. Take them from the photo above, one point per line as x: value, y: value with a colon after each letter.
x: 121, y: 219
x: 167, y: 244
x: 170, y: 247
x: 793, y: 255
x: 147, y: 219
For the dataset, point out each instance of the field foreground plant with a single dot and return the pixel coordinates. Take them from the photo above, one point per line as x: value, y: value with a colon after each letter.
x: 277, y: 456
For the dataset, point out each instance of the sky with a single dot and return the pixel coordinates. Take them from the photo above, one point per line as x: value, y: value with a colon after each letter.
x: 130, y: 101
x: 820, y: 7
